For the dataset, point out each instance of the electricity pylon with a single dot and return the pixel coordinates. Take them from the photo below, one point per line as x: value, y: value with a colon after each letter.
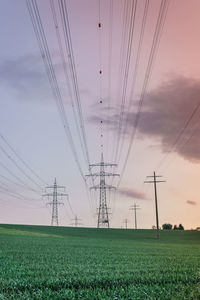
x: 154, y: 181
x: 76, y: 221
x: 54, y: 195
x: 103, y: 215
x: 126, y: 223
x: 135, y: 207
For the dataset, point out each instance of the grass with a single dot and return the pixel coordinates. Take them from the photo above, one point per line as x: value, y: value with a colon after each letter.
x: 43, y: 262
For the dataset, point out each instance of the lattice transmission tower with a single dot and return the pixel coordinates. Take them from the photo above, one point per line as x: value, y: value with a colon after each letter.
x: 135, y: 207
x: 103, y: 215
x: 55, y: 198
x: 76, y: 221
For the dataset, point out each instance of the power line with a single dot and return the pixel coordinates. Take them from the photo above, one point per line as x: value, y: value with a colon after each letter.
x: 124, y: 70
x: 66, y: 73
x: 12, y: 182
x: 126, y: 10
x: 156, y: 38
x: 69, y: 48
x: 126, y: 75
x: 70, y: 206
x: 15, y: 194
x: 21, y: 159
x: 18, y: 167
x: 109, y: 68
x: 188, y: 121
x: 180, y: 147
x: 18, y: 179
x: 68, y: 85
x: 135, y: 73
x: 19, y: 206
x: 46, y: 56
x: 100, y: 74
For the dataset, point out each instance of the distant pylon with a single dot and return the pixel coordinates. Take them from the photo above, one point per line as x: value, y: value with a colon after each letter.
x: 76, y: 221
x: 126, y: 223
x: 135, y: 207
x: 54, y: 202
x: 103, y: 215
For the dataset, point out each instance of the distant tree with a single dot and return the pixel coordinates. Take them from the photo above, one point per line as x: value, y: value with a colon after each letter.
x: 180, y: 227
x: 175, y: 227
x: 153, y: 227
x: 167, y: 226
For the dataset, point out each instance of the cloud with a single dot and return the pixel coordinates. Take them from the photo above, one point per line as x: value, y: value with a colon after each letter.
x: 164, y: 113
x: 132, y: 193
x: 191, y: 202
x: 104, y: 111
x: 26, y: 77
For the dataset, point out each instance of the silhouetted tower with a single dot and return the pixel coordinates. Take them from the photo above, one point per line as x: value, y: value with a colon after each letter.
x: 54, y: 196
x: 135, y: 207
x: 126, y: 223
x: 76, y: 221
x: 103, y: 215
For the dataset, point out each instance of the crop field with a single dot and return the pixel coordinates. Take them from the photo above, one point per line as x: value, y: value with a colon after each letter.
x: 42, y: 262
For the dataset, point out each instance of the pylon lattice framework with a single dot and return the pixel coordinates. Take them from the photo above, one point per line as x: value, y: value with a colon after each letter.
x: 76, y: 221
x: 103, y: 215
x: 54, y: 195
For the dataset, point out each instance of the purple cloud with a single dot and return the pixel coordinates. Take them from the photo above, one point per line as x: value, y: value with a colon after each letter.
x: 132, y: 193
x: 191, y: 202
x: 164, y: 113
x: 26, y: 77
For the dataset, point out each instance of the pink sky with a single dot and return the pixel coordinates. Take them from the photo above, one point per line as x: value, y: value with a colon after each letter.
x: 30, y: 121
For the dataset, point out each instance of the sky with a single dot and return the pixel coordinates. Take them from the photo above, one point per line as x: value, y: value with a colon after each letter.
x: 164, y: 135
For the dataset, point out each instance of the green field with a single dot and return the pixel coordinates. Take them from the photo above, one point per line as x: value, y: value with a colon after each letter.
x: 42, y: 262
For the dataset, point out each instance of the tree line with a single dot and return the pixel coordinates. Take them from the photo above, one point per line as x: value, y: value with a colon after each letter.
x: 170, y: 227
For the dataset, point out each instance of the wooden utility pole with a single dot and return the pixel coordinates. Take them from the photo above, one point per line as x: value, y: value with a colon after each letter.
x: 156, y: 199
